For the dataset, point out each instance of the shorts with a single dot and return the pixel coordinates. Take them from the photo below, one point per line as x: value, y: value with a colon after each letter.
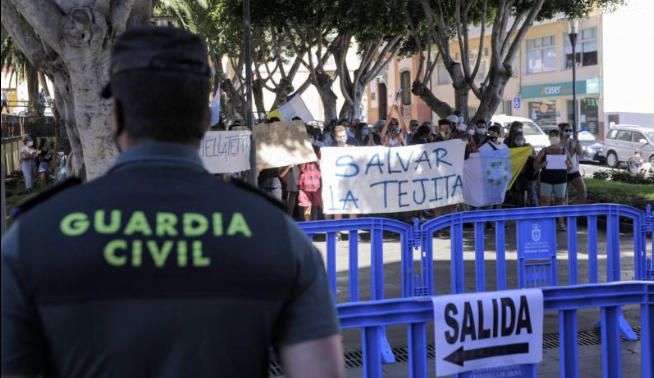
x: 43, y: 166
x: 556, y: 190
x: 310, y: 199
x: 573, y: 175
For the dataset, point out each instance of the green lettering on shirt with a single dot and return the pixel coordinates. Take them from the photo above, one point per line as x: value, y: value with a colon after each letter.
x: 159, y: 256
x: 166, y: 224
x: 112, y: 227
x: 74, y: 224
x: 198, y: 259
x: 195, y: 224
x: 110, y: 255
x: 238, y: 225
x: 138, y: 223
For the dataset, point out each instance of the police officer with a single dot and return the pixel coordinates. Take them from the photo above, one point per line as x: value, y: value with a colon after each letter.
x: 158, y: 269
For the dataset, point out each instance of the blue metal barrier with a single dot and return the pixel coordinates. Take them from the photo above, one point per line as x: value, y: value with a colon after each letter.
x: 609, y: 297
x: 377, y: 227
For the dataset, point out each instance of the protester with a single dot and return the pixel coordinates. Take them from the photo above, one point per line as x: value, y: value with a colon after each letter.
x: 515, y: 128
x: 292, y: 175
x: 309, y: 194
x: 61, y: 159
x: 553, y: 179
x: 526, y: 180
x: 157, y: 269
x: 444, y: 130
x: 27, y: 158
x: 413, y: 127
x: 469, y: 138
x: 492, y: 140
x: 391, y: 134
x: 44, y: 157
x: 574, y: 148
x: 480, y: 132
x: 421, y: 136
x: 638, y: 166
x: 5, y: 102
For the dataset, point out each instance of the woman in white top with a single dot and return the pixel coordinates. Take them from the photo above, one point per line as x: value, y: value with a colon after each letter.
x: 27, y: 155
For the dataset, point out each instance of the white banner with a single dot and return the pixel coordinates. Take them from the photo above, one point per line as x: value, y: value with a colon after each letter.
x: 226, y: 151
x: 486, y: 176
x: 373, y: 180
x: 486, y: 330
x: 295, y: 108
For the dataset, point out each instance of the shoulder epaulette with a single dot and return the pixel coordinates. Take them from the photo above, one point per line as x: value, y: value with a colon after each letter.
x: 253, y: 189
x: 31, y: 202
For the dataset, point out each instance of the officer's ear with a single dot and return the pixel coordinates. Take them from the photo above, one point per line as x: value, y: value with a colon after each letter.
x: 119, y: 120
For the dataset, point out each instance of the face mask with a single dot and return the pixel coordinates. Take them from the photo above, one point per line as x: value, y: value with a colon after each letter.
x: 555, y: 140
x: 462, y: 127
x: 30, y: 143
x: 341, y: 140
x: 481, y: 130
x: 471, y: 132
x: 365, y: 132
x: 519, y: 143
x: 60, y: 153
x: 445, y: 134
x: 518, y: 130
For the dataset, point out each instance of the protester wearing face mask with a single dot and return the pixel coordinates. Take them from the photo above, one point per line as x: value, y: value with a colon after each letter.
x: 515, y: 128
x: 526, y: 181
x: 391, y: 134
x: 27, y: 155
x: 480, y: 132
x: 492, y: 140
x: 574, y: 148
x: 444, y: 130
x: 553, y: 177
x: 421, y: 136
x: 469, y: 138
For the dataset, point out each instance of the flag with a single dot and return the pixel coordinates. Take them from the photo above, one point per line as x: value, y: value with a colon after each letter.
x: 215, y: 107
x: 519, y: 157
x: 486, y: 175
x: 295, y: 107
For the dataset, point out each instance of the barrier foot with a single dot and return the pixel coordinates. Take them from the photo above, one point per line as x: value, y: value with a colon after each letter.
x: 625, y: 329
x: 385, y: 348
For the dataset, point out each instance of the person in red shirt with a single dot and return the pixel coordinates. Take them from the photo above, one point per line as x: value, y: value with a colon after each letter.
x: 309, y: 195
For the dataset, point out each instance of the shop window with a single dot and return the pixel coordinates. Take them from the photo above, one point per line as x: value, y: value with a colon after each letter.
x: 586, y: 48
x: 541, y: 55
x: 405, y: 82
x: 588, y: 114
x: 543, y: 112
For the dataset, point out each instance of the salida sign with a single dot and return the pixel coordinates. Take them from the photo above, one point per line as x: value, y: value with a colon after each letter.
x: 482, y: 330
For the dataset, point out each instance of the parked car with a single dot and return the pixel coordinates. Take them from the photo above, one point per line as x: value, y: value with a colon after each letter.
x: 592, y: 149
x: 623, y: 140
x: 534, y: 135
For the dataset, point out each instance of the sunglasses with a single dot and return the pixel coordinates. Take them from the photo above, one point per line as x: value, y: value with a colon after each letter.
x: 568, y: 131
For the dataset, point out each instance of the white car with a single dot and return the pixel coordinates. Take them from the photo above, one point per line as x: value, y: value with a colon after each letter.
x: 623, y: 140
x: 534, y: 135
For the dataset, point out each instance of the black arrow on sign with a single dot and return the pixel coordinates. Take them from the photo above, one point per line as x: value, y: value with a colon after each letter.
x: 460, y: 356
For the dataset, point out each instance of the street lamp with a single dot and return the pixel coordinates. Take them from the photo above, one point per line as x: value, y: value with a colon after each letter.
x: 573, y: 31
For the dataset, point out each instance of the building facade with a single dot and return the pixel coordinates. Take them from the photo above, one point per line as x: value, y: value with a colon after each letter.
x: 613, y: 81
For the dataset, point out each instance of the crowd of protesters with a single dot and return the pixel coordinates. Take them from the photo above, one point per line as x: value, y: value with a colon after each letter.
x: 536, y: 185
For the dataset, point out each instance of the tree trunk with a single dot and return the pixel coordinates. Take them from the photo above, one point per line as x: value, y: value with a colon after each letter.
x: 443, y: 109
x: 352, y: 110
x: 234, y: 97
x: 68, y: 136
x: 257, y: 94
x: 492, y: 94
x: 32, y: 78
x: 461, y: 95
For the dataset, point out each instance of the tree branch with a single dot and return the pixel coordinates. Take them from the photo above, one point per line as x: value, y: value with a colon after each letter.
x: 389, y: 51
x: 482, y: 36
x: 45, y: 17
x: 523, y: 32
x: 120, y: 12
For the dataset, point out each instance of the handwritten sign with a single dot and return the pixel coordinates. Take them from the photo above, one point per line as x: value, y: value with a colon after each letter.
x: 486, y: 177
x: 488, y: 330
x: 556, y: 162
x: 365, y: 180
x: 226, y: 151
x: 281, y: 143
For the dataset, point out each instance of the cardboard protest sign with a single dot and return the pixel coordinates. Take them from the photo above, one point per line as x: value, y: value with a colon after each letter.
x: 226, y: 151
x: 488, y: 330
x: 296, y: 107
x: 281, y: 143
x: 372, y: 180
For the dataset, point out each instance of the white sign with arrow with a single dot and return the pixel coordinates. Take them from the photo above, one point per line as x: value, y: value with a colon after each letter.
x: 491, y: 329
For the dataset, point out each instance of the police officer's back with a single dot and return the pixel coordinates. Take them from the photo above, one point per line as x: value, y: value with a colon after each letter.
x: 158, y: 269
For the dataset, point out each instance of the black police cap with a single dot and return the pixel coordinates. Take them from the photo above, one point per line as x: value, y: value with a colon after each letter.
x: 158, y: 48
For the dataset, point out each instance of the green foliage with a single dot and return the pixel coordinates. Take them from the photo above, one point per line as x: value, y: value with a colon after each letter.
x: 601, y: 191
x: 12, y: 56
x: 617, y: 175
